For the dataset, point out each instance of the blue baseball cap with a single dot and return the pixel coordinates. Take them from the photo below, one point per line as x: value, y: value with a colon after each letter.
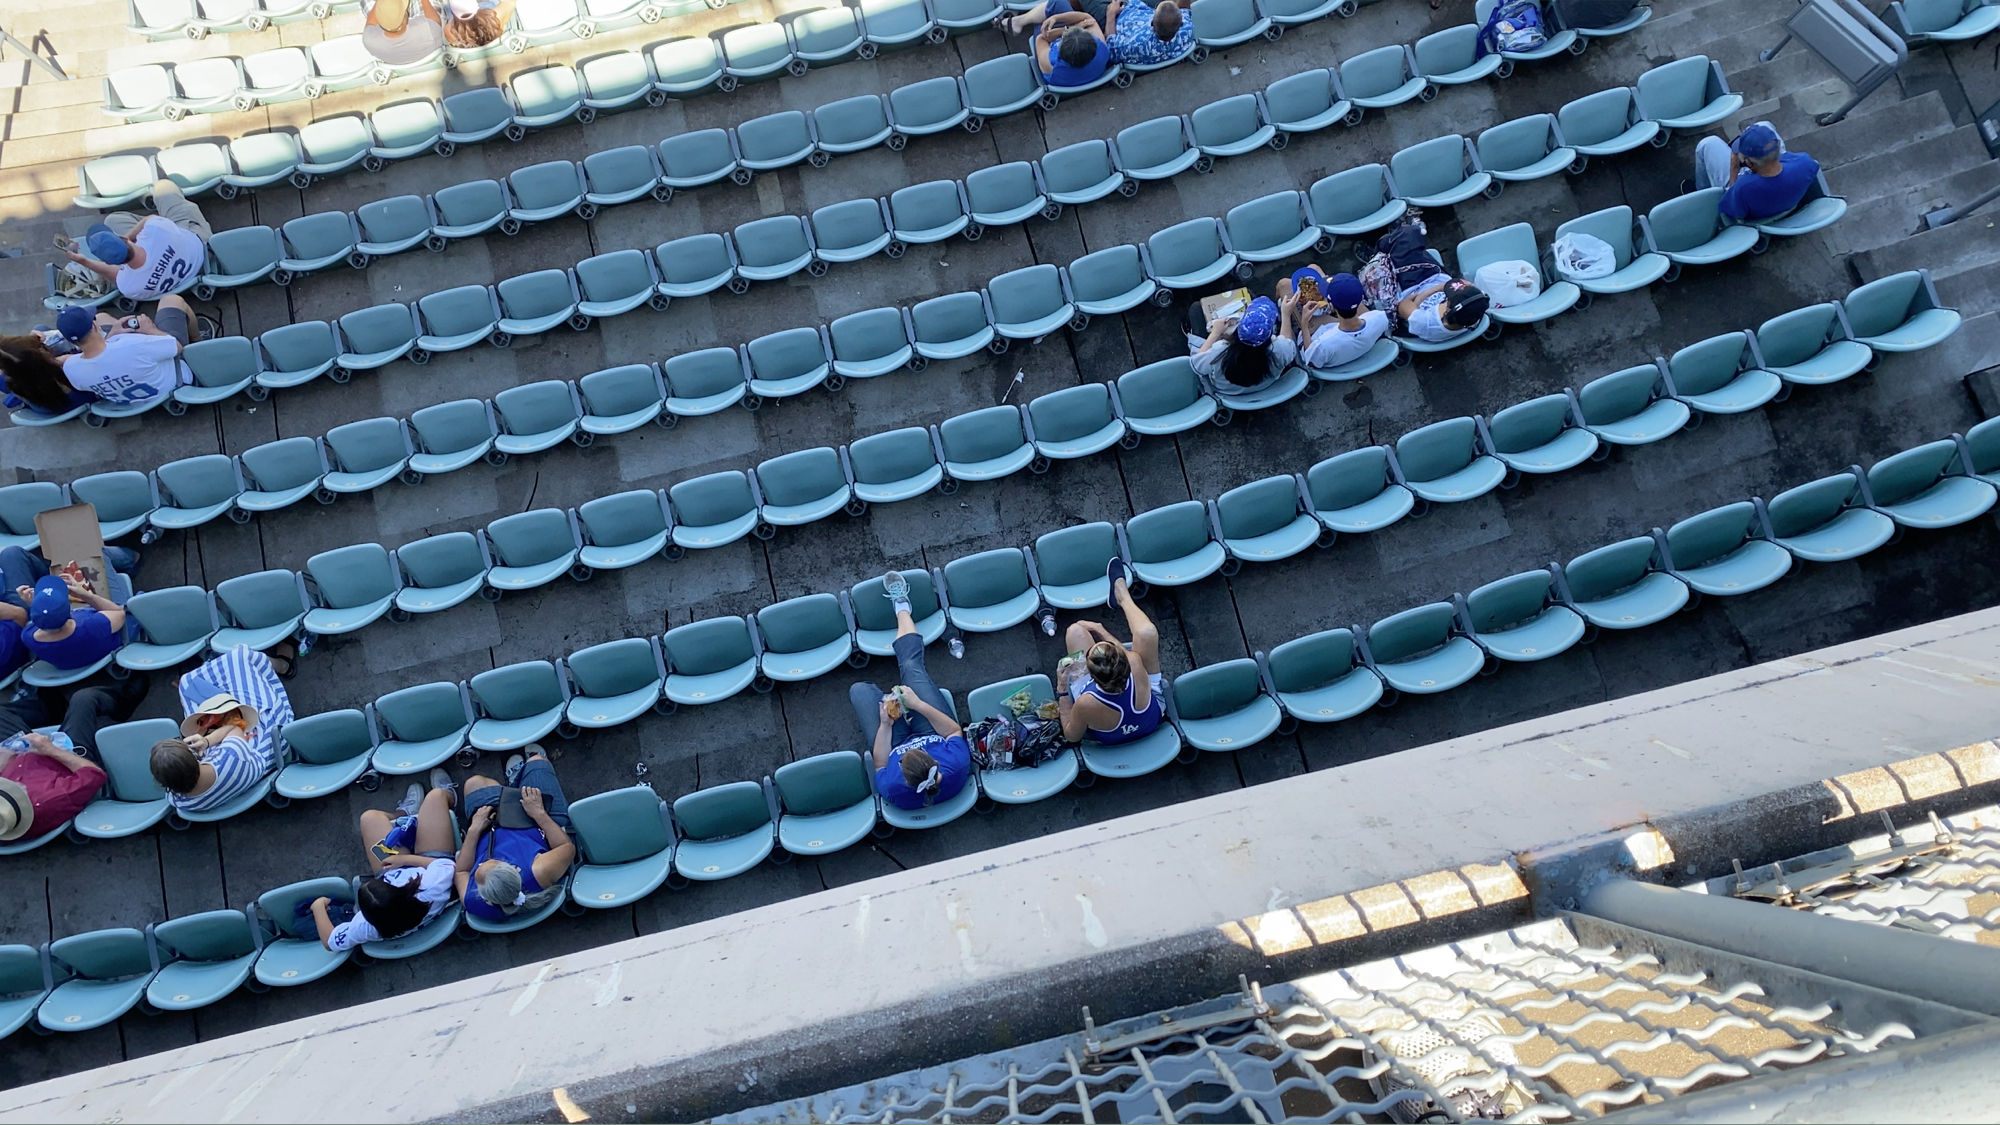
x: 1758, y: 142
x: 50, y: 606
x: 1344, y: 291
x: 105, y: 246
x: 1299, y: 278
x: 75, y: 322
x: 1259, y: 321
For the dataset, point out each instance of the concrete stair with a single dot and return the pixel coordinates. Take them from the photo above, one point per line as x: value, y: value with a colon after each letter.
x: 1969, y: 248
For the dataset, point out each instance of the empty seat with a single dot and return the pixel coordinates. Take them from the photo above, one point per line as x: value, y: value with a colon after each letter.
x: 1075, y: 422
x: 697, y: 264
x: 195, y: 490
x: 1163, y: 398
x: 1321, y: 677
x: 1223, y: 706
x: 139, y: 93
x: 930, y: 106
x: 1827, y: 520
x: 1688, y: 93
x: 475, y: 115
x: 852, y: 230
x: 440, y: 571
x: 825, y: 803
x: 544, y: 96
x: 314, y: 242
x: 1451, y: 57
x: 1081, y: 173
x: 620, y: 175
x: 260, y: 610
x: 1262, y: 522
x: 773, y: 249
x: 1632, y: 406
x: 725, y: 831
x: 239, y: 257
x: 352, y: 587
x: 207, y: 85
x: 1440, y: 172
x: 1928, y: 486
x: 788, y: 363
x: 686, y: 66
x: 1230, y: 127
x: 516, y: 704
x: 532, y: 548
x: 1271, y: 228
x: 1110, y: 281
x: 1004, y: 194
x: 929, y: 212
x: 1604, y: 124
x: 985, y: 444
x: 614, y: 81
x: 704, y: 382
x: 124, y: 501
x: 1190, y: 254
x: 1029, y: 303
x: 700, y: 157
x: 754, y: 51
x: 468, y: 209
x: 1423, y: 651
x: 989, y: 591
x: 418, y: 728
x: 1383, y: 77
x: 394, y: 132
x: 1521, y: 618
x: 1226, y: 23
x: 194, y: 167
x: 851, y: 125
x: 113, y: 181
x: 997, y: 87
x: 1720, y: 375
x: 713, y: 510
x: 132, y: 801
x: 803, y: 486
x: 97, y: 977
x: 897, y: 23
x: 1526, y: 148
x: 618, y: 399
x: 709, y: 661
x: 1446, y: 462
x: 1810, y: 346
x: 1156, y: 149
x: 393, y: 225
x: 778, y: 140
x: 870, y: 343
x: 1622, y: 586
x: 621, y: 530
x: 533, y: 303
x: 1305, y: 102
x: 1070, y: 565
x: 1172, y: 546
x: 875, y: 617
x: 543, y: 191
x: 456, y: 318
x: 895, y: 465
x: 804, y: 638
x: 371, y: 337
x: 613, y: 683
x: 626, y: 844
x: 173, y: 626
x: 1690, y: 230
x: 1637, y: 266
x: 616, y: 282
x: 274, y: 76
x: 330, y: 751
x: 1542, y: 435
x: 1357, y: 491
x: 19, y: 504
x: 953, y: 326
x: 1942, y: 21
x: 281, y: 473
x: 217, y: 369
x: 1353, y: 203
x: 1724, y: 551
x: 365, y: 455
x: 1022, y: 785
x: 1516, y: 243
x: 1898, y: 313
x: 1979, y: 451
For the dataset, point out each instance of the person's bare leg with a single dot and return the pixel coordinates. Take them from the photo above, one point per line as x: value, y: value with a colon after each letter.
x: 375, y: 824
x: 434, y: 822
x: 1078, y: 637
x: 1145, y: 636
x: 905, y: 624
x: 1033, y: 17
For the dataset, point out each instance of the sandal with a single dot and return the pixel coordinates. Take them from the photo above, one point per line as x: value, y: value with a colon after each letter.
x: 284, y: 658
x: 1004, y: 23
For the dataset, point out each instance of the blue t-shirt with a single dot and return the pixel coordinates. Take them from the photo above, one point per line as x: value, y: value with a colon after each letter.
x: 518, y: 846
x: 954, y: 761
x: 92, y: 640
x: 1062, y: 74
x: 13, y: 653
x: 1762, y: 197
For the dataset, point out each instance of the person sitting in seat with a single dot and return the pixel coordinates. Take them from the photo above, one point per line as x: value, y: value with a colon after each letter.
x: 401, y: 32
x: 69, y: 638
x: 1097, y: 694
x: 1759, y: 178
x: 475, y: 23
x: 153, y: 255
x: 32, y: 373
x: 131, y: 361
x: 1142, y: 35
x: 1431, y: 304
x: 1338, y: 327
x: 412, y: 860
x: 1070, y: 49
x: 236, y: 708
x: 1244, y: 354
x: 42, y: 786
x: 518, y: 847
x: 920, y: 753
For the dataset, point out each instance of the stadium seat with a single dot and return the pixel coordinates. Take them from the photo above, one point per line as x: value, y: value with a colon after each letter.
x: 713, y: 510
x: 1810, y: 346
x: 803, y: 486
x: 1942, y: 21
x: 475, y: 115
x: 194, y: 490
x: 703, y: 382
x: 1004, y: 194
x: 1447, y: 462
x: 773, y: 249
x: 623, y: 529
x: 623, y: 398
x: 851, y: 125
x: 394, y: 132
x: 895, y: 465
x: 1321, y: 678
x: 1271, y: 228
x: 393, y: 225
x: 468, y: 209
x: 613, y: 82
x: 418, y: 728
x: 788, y: 363
x: 1075, y: 422
x: 330, y: 750
x: 440, y: 571
x: 1082, y: 173
x: 929, y: 212
x: 139, y: 93
x: 455, y: 319
x: 826, y: 802
x: 281, y: 473
x: 1979, y: 452
x: 544, y: 96
x: 938, y: 813
x: 172, y: 626
x: 896, y: 23
x: 1721, y: 375
x: 1632, y: 406
x: 875, y: 617
x: 1521, y: 619
x: 1380, y: 79
x: 853, y: 230
x: 1232, y: 126
x: 774, y: 141
x: 239, y: 257
x: 1355, y: 202
x: 1898, y: 313
x: 1422, y: 651
x: 272, y: 77
x: 619, y: 175
x: 931, y: 106
x: 1163, y: 398
x: 110, y: 182
x: 365, y: 455
x: 1441, y: 172
x: 1110, y: 281
x: 1690, y: 230
x: 1451, y: 57
x: 1605, y: 123
x: 260, y: 610
x: 625, y: 844
x: 869, y: 343
x: 988, y: 591
x: 217, y: 369
x: 531, y: 548
x: 1220, y: 24
x: 953, y: 326
x: 286, y: 960
x: 614, y: 283
x: 1929, y: 486
x: 1022, y: 786
x: 1172, y: 546
x: 543, y: 191
x: 1625, y: 585
x: 533, y: 303
x: 1357, y: 491
x: 1559, y: 39
x: 208, y: 85
x: 1305, y: 102
x: 613, y: 683
x: 1157, y: 149
x: 686, y: 66
x: 1070, y: 566
x: 696, y: 158
x: 202, y: 958
x: 1819, y: 210
x: 296, y: 354
x: 351, y: 587
x: 1516, y: 243
x: 1827, y: 520
x: 516, y: 704
x: 709, y: 661
x: 314, y: 242
x: 132, y: 800
x: 1262, y: 521
x: 375, y: 336
x: 1637, y: 266
x: 97, y: 977
x: 1541, y: 435
x: 1724, y: 551
x: 1190, y: 255
x: 124, y: 501
x: 986, y: 444
x: 753, y: 52
x: 19, y: 504
x: 1223, y: 706
x: 725, y: 830
x: 804, y: 637
x: 697, y: 264
x: 1029, y: 303
x: 1688, y: 93
x: 1526, y: 148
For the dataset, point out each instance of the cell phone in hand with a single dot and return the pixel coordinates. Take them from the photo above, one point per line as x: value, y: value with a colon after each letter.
x: 64, y: 243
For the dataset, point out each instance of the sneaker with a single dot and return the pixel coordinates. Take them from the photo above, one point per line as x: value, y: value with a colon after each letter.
x: 896, y: 586
x: 413, y: 798
x: 442, y: 780
x: 514, y: 764
x: 1116, y: 571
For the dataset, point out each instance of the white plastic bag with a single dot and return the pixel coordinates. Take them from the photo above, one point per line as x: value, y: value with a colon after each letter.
x: 1509, y: 283
x: 1582, y: 256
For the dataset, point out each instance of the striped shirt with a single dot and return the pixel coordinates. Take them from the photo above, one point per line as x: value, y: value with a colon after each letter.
x: 240, y: 761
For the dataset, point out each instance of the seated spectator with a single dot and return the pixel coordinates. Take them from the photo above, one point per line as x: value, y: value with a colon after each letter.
x: 1109, y: 704
x: 70, y: 638
x: 152, y: 256
x: 20, y: 570
x: 1245, y: 353
x: 34, y: 375
x: 401, y: 32
x: 1430, y: 304
x: 1069, y: 49
x: 42, y: 786
x: 412, y: 860
x: 1141, y: 35
x: 518, y: 848
x: 921, y: 756
x: 235, y: 708
x: 130, y: 361
x: 475, y: 23
x: 80, y: 711
x: 1759, y: 178
x: 1338, y: 327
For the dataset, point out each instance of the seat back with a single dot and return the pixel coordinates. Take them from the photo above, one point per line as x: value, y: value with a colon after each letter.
x: 299, y: 347
x: 621, y: 826
x: 552, y: 183
x: 458, y: 311
x: 1227, y: 121
x: 1686, y: 221
x: 848, y: 225
x: 801, y: 624
x: 1258, y: 508
x: 261, y: 600
x: 328, y: 737
x: 122, y: 495
x: 627, y: 388
x: 403, y: 124
x: 441, y: 560
x: 531, y: 538
x: 423, y: 712
x: 851, y: 121
x: 983, y: 434
x: 1312, y: 661
x: 708, y: 646
x: 1150, y: 143
x: 699, y: 374
x: 320, y: 235
x: 1075, y: 167
x: 873, y: 610
x: 948, y: 319
x: 614, y: 668
x: 622, y: 519
x: 1596, y: 118
x: 1164, y: 534
x: 1411, y: 633
x: 20, y: 971
x: 1510, y: 601
x: 733, y: 809
x: 20, y: 503
x: 197, y: 482
x: 1159, y: 389
x: 1074, y: 555
x: 1108, y: 273
x: 696, y: 155
x: 533, y: 296
x: 756, y: 46
x: 1301, y: 96
x: 894, y: 456
x: 868, y: 335
x: 1613, y: 225
x: 709, y: 500
x: 545, y: 90
x: 801, y: 477
x: 138, y: 87
x: 1882, y: 305
x: 622, y: 169
x: 1900, y: 476
x: 1674, y: 89
x: 353, y: 575
x: 469, y: 204
x: 775, y: 136
x: 1429, y: 167
x: 194, y: 164
x: 1437, y: 450
x: 212, y: 935
x: 1214, y: 690
x: 1609, y: 569
x: 116, y: 954
x: 243, y: 250
x: 1926, y: 16
x: 615, y: 276
x: 1185, y: 247
x: 1708, y: 365
x: 786, y: 354
x: 282, y: 464
x: 367, y: 445
x: 517, y: 691
x: 478, y: 110
x: 1982, y: 444
x: 1447, y: 51
x: 1000, y: 188
x: 1808, y: 507
x: 1529, y: 424
x: 987, y: 578
x: 173, y: 616
x: 1071, y: 413
x: 822, y: 783
x: 1266, y: 222
x: 1709, y: 535
x: 929, y: 102
x: 126, y: 750
x: 998, y: 83
x: 451, y: 427
x: 378, y: 329
x: 1513, y: 145
x: 1372, y: 74
x: 1797, y: 336
x: 535, y: 408
x: 1619, y: 395
x: 689, y: 60
x: 926, y: 206
x: 1348, y: 479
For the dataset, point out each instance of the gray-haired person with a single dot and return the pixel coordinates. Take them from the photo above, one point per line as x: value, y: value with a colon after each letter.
x: 517, y: 848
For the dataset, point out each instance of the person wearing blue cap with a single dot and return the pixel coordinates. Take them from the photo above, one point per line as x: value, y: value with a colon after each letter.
x: 150, y: 256
x: 1759, y: 178
x: 1248, y: 352
x: 1337, y: 326
x: 70, y: 638
x: 126, y: 362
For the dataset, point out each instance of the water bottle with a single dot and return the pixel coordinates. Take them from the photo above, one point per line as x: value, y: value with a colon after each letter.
x: 957, y: 646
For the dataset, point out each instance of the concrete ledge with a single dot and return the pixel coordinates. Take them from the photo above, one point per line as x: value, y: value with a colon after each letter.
x: 1148, y: 911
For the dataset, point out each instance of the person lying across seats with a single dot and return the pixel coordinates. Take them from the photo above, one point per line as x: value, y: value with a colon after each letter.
x: 236, y: 710
x: 1430, y: 303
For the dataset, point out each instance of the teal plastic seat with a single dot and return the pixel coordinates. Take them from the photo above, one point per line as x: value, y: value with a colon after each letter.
x: 466, y: 210
x: 755, y: 51
x: 709, y: 661
x: 1441, y: 172
x: 1721, y: 375
x: 314, y: 242
x: 620, y: 175
x: 1232, y: 126
x: 1034, y: 783
x: 450, y: 436
x: 365, y: 455
x: 1447, y: 462
x: 1819, y: 210
x: 1810, y: 346
x: 1516, y: 243
x: 206, y: 85
x: 870, y: 343
x: 22, y: 987
x: 113, y: 181
x: 897, y: 23
x: 131, y: 802
x: 1163, y: 398
x: 804, y: 638
x: 440, y: 571
x: 704, y: 382
x: 686, y: 66
x: 272, y: 77
x: 1605, y: 123
x: 774, y: 141
x: 419, y: 728
x: 1625, y: 585
x: 1898, y: 313
x: 1724, y: 551
x: 1262, y: 521
x: 1172, y: 546
x: 1156, y: 149
x: 825, y: 803
x: 352, y: 587
x: 194, y: 167
x: 280, y: 473
x: 1110, y: 281
x: 285, y: 960
x: 953, y: 326
x: 1688, y: 93
x: 852, y: 230
x: 1381, y: 78
x: 896, y: 465
x: 622, y: 530
x: 627, y: 847
x: 139, y: 93
x: 516, y: 704
x: 1224, y: 706
x: 239, y: 257
x: 1451, y: 57
x: 1353, y: 203
x: 375, y: 337
x: 1081, y: 173
x: 696, y: 158
x: 174, y: 625
x: 1137, y: 758
x: 1632, y: 406
x: 1541, y: 435
x: 1321, y: 678
x: 533, y: 303
x: 988, y: 591
x: 195, y: 490
x: 1928, y: 487
x: 932, y: 105
x: 532, y: 548
x: 1075, y: 422
x: 537, y: 416
x: 1521, y: 619
x: 1357, y: 491
x: 787, y: 363
x: 393, y: 225
x: 19, y: 504
x: 1979, y: 452
x: 1001, y: 86
x: 1827, y: 520
x: 614, y: 81
x: 1423, y: 651
x: 260, y: 610
x: 613, y: 683
x: 724, y: 831
x: 1271, y: 228
x: 986, y: 444
x: 523, y: 919
x: 804, y: 486
x: 1690, y: 231
x: 202, y: 957
x: 1070, y: 565
x: 544, y: 96
x: 1943, y: 21
x: 1559, y: 39
x: 544, y: 191
x: 1225, y: 23
x: 1305, y: 102
x: 330, y: 750
x: 124, y: 500
x: 395, y: 132
x: 98, y: 977
x: 456, y: 318
x: 1000, y: 195
x: 619, y: 399
x: 714, y: 510
x: 1190, y: 255
x: 929, y: 212
x: 1637, y: 266
x: 1526, y: 148
x: 296, y: 354
x: 850, y: 125
x: 875, y: 616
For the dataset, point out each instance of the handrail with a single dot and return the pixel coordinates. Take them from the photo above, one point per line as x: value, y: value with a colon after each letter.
x: 46, y: 64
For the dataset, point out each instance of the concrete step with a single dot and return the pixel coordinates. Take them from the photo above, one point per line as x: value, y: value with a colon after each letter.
x: 1966, y: 245
x: 1972, y: 291
x: 1865, y: 134
x: 1726, y: 35
x: 1905, y: 165
x: 1788, y: 72
x: 1891, y: 218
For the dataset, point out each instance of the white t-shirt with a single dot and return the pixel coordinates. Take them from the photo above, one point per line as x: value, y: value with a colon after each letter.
x: 435, y: 889
x: 1332, y: 345
x: 173, y: 256
x: 1427, y: 323
x: 133, y: 368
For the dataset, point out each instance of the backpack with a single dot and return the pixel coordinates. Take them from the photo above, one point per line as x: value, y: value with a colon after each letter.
x: 1513, y: 26
x: 1012, y: 742
x: 1378, y: 280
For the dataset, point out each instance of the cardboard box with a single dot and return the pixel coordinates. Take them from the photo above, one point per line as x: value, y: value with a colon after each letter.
x: 1217, y: 302
x: 72, y: 535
